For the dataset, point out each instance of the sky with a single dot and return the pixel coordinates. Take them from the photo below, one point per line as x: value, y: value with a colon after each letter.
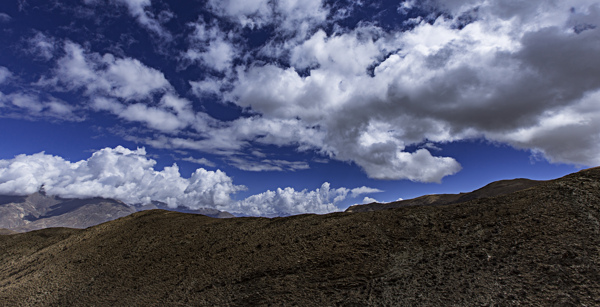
x: 274, y: 108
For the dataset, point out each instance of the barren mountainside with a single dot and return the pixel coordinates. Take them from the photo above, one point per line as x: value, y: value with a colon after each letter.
x: 38, y: 211
x: 539, y: 246
x: 493, y: 189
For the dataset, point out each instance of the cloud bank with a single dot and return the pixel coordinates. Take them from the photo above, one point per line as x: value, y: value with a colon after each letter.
x: 129, y: 175
x: 521, y: 74
x: 379, y: 96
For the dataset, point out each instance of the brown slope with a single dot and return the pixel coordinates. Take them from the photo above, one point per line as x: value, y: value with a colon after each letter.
x: 493, y: 189
x: 535, y: 247
x: 4, y: 231
x: 203, y: 211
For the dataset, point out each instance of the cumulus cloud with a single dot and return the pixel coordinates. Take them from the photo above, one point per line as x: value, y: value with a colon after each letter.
x: 115, y: 84
x: 124, y: 78
x: 289, y: 201
x: 211, y: 47
x: 516, y: 73
x: 129, y: 175
x: 519, y: 73
x: 369, y: 200
x: 120, y: 173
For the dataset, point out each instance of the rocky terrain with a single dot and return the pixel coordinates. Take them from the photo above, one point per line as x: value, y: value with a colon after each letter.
x: 38, y: 211
x: 539, y: 246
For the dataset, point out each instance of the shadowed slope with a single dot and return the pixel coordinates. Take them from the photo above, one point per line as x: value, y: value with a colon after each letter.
x: 493, y: 189
x: 538, y: 246
x: 38, y: 211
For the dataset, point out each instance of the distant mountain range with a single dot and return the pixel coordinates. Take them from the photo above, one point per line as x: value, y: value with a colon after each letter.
x: 38, y: 211
x: 538, y: 246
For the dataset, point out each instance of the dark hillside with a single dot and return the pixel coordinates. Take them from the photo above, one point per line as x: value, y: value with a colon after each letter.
x: 493, y: 189
x: 535, y: 247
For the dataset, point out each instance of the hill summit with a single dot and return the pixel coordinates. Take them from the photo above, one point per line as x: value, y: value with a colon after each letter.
x: 495, y: 188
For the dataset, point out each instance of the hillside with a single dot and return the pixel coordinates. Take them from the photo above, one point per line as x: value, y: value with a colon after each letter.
x: 493, y: 189
x: 534, y: 247
x: 38, y: 211
x: 4, y: 231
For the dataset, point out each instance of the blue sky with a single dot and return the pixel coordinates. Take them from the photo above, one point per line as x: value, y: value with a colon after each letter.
x: 272, y: 108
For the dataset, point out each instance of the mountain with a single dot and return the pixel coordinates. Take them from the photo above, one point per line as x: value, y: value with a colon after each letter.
x: 204, y: 211
x: 539, y: 246
x: 4, y: 231
x: 38, y: 211
x: 491, y: 190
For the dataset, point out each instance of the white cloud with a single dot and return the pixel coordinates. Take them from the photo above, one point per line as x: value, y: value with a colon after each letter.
x: 5, y: 17
x: 251, y: 13
x: 201, y: 161
x: 107, y: 80
x: 263, y: 165
x: 235, y: 137
x: 289, y: 16
x: 289, y: 201
x: 5, y: 74
x: 173, y: 113
x: 124, y: 78
x: 553, y: 138
x: 42, y: 46
x: 207, y: 86
x: 520, y: 73
x: 139, y: 10
x: 129, y: 175
x: 153, y: 117
x: 363, y: 190
x: 32, y: 105
x: 117, y: 173
x: 517, y: 73
x: 211, y: 47
x: 368, y: 200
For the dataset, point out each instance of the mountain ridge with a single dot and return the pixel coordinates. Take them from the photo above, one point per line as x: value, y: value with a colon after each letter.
x: 39, y: 210
x: 538, y: 246
x: 492, y: 189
